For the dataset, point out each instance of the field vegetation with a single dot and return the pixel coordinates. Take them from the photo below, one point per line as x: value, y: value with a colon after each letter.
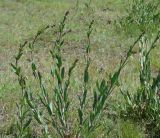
x: 80, y: 68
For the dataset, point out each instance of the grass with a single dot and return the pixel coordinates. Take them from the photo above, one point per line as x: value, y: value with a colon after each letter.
x: 20, y: 21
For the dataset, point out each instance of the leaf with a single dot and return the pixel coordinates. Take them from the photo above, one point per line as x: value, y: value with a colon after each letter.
x: 61, y: 43
x: 114, y: 78
x: 26, y: 125
x: 58, y: 77
x: 72, y: 67
x: 39, y: 77
x: 80, y: 114
x: 14, y: 67
x: 18, y: 56
x: 29, y: 100
x: 88, y: 49
x: 50, y: 108
x: 34, y: 69
x: 62, y: 72
x: 37, y: 116
x: 95, y: 99
x: 86, y: 76
x: 41, y: 99
x: 30, y: 46
x: 84, y: 97
x: 59, y: 61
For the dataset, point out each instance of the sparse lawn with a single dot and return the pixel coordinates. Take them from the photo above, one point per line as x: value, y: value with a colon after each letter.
x: 20, y: 20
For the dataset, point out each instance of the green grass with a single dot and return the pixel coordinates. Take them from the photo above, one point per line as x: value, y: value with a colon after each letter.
x: 20, y: 20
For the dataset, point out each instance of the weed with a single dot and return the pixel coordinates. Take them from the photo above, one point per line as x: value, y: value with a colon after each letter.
x: 144, y: 104
x: 52, y: 110
x: 141, y: 16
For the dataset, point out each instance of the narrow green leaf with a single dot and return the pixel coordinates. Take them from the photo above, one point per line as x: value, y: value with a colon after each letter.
x: 26, y: 125
x: 80, y: 114
x: 62, y: 72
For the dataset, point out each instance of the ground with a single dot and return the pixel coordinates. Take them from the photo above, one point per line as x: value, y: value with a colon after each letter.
x: 20, y: 20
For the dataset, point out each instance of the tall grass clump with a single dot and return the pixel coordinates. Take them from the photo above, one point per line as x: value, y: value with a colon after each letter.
x: 50, y: 109
x: 144, y: 104
x: 141, y: 15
